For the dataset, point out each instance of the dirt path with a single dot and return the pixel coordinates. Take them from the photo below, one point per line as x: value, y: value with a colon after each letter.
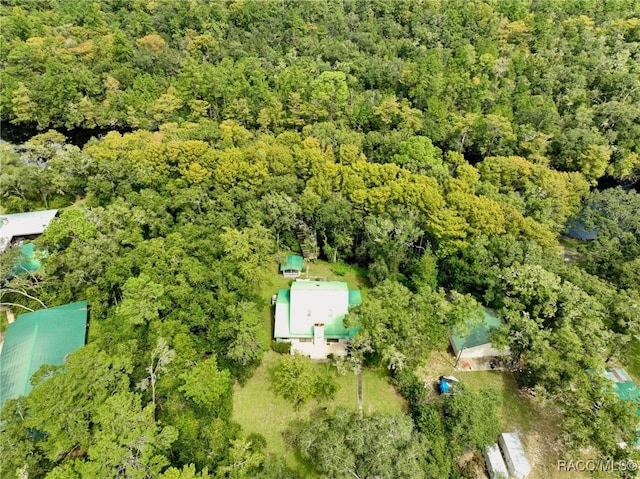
x: 10, y: 316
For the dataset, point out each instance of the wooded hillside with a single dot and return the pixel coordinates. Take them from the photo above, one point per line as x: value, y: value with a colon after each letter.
x: 441, y: 146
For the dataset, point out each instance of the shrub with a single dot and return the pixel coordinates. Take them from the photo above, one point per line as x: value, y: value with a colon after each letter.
x: 282, y: 347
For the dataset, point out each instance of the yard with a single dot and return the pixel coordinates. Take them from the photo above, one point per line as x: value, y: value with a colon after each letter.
x: 258, y: 410
x: 536, y: 421
x: 256, y: 407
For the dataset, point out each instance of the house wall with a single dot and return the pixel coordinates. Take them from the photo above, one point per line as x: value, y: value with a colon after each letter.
x: 481, y: 351
x: 318, y: 351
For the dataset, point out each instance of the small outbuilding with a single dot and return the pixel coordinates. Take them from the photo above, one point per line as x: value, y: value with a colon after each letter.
x: 471, y: 340
x: 496, y: 466
x: 293, y: 267
x: 515, y: 458
x: 29, y: 260
x: 42, y: 337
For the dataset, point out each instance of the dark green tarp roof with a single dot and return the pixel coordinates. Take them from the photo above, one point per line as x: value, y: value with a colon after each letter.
x: 45, y: 336
x: 475, y: 335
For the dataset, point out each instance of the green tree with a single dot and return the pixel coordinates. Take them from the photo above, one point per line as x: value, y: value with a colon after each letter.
x: 280, y: 212
x: 471, y: 418
x: 399, y: 326
x: 342, y: 445
x: 297, y: 380
x: 207, y: 386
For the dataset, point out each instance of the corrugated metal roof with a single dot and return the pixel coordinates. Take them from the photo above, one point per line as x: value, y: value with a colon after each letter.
x: 355, y: 298
x: 514, y: 455
x: 281, y: 324
x: 23, y: 224
x: 304, y: 285
x: 294, y: 262
x: 618, y: 375
x: 311, y: 302
x: 29, y: 260
x: 45, y: 336
x: 495, y: 463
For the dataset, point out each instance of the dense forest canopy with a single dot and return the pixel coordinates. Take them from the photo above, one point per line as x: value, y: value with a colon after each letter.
x: 555, y: 82
x: 441, y: 146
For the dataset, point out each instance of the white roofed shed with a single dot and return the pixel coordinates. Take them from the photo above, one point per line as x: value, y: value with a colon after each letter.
x: 496, y: 467
x: 514, y: 455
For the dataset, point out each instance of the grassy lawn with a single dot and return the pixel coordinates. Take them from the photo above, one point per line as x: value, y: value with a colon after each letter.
x: 536, y: 421
x: 570, y: 242
x: 258, y: 410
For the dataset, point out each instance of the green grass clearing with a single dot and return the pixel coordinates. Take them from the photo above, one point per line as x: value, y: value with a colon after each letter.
x: 537, y: 421
x: 570, y: 242
x: 259, y: 410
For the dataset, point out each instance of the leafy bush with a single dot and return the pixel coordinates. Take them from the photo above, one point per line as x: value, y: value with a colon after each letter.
x: 296, y: 379
x: 282, y: 347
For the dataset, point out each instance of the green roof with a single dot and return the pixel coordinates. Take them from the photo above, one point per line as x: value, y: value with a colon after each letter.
x: 28, y: 261
x: 281, y: 325
x: 294, y: 262
x: 355, y: 298
x: 625, y: 388
x: 312, y: 302
x: 623, y: 385
x: 45, y: 336
x: 476, y: 335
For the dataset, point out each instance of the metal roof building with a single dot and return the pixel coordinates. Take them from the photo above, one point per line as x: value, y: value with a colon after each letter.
x: 517, y: 463
x: 625, y: 388
x: 496, y: 467
x: 23, y: 224
x: 314, y: 302
x: 293, y: 267
x: 311, y: 316
x: 42, y: 337
x: 474, y: 341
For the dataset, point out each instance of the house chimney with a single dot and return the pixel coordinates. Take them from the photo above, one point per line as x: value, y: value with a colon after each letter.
x: 318, y: 334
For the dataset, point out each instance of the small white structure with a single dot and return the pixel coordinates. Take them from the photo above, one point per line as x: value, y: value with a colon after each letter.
x: 496, y: 466
x: 293, y: 267
x: 514, y: 455
x: 23, y: 225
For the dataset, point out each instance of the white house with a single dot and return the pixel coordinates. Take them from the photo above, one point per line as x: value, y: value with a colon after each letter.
x: 311, y: 316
